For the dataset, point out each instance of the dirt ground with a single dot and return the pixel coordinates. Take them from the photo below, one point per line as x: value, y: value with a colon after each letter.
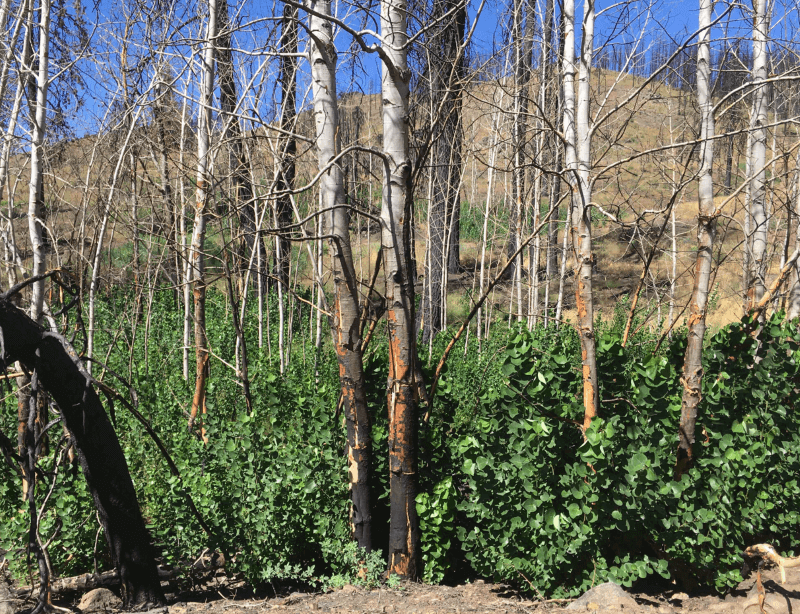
x: 222, y: 596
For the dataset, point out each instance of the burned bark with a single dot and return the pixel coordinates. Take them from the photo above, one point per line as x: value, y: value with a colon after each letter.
x: 404, y: 530
x: 706, y: 228
x: 577, y: 145
x: 447, y: 72
x: 346, y: 321
x: 242, y: 192
x: 197, y: 270
x: 60, y: 373
x: 288, y: 116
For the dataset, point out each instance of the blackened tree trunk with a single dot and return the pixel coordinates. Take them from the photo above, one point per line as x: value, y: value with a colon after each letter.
x: 99, y: 452
x: 239, y: 164
x: 404, y: 530
x: 523, y: 46
x: 729, y: 165
x: 551, y: 108
x: 346, y: 321
x: 161, y: 158
x: 286, y: 171
x: 447, y: 72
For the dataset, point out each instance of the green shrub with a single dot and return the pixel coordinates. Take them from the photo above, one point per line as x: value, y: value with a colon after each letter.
x: 507, y: 484
x: 542, y: 504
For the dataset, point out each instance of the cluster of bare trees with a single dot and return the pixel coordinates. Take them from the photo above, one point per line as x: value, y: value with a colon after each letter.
x: 221, y: 143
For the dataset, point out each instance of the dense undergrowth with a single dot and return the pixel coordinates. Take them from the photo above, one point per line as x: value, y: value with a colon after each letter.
x: 509, y: 489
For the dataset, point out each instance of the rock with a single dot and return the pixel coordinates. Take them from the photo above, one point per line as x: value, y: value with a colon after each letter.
x: 99, y: 600
x: 605, y: 597
x: 6, y: 602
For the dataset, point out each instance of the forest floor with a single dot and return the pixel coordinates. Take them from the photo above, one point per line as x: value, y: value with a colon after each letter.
x: 224, y: 596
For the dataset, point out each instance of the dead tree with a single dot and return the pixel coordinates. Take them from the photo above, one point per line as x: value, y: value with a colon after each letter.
x: 59, y: 371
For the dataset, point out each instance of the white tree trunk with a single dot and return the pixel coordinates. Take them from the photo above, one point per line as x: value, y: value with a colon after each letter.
x: 578, y: 164
x: 39, y: 115
x: 197, y: 247
x: 758, y: 153
x: 706, y: 227
x: 346, y: 320
x: 404, y: 532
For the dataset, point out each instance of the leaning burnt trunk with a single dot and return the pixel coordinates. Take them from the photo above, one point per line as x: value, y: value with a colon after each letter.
x: 59, y: 373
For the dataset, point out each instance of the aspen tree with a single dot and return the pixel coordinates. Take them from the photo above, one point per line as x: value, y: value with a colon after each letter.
x: 577, y: 144
x: 404, y: 532
x: 239, y: 165
x: 41, y: 82
x: 446, y: 74
x: 757, y: 213
x: 706, y: 229
x: 346, y: 321
x: 288, y: 145
x: 196, y: 265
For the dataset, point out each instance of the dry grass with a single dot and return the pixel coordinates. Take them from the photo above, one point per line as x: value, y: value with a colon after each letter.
x: 659, y: 115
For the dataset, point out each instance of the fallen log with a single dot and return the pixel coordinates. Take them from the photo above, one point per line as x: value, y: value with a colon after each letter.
x: 85, y: 582
x: 89, y: 581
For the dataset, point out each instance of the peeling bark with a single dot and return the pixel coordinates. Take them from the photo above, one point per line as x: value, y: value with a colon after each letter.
x: 346, y: 322
x: 692, y: 379
x: 578, y: 163
x: 197, y: 248
x: 404, y: 533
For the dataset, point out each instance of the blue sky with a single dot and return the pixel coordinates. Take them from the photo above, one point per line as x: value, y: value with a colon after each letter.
x: 665, y: 19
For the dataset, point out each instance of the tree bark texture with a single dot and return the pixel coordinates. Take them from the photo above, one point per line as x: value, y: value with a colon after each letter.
x: 578, y: 162
x: 288, y: 114
x: 197, y: 248
x: 553, y: 109
x: 99, y: 453
x: 346, y: 323
x: 757, y: 240
x: 41, y: 84
x: 706, y: 228
x: 243, y: 196
x: 447, y: 73
x: 522, y: 68
x: 404, y: 533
